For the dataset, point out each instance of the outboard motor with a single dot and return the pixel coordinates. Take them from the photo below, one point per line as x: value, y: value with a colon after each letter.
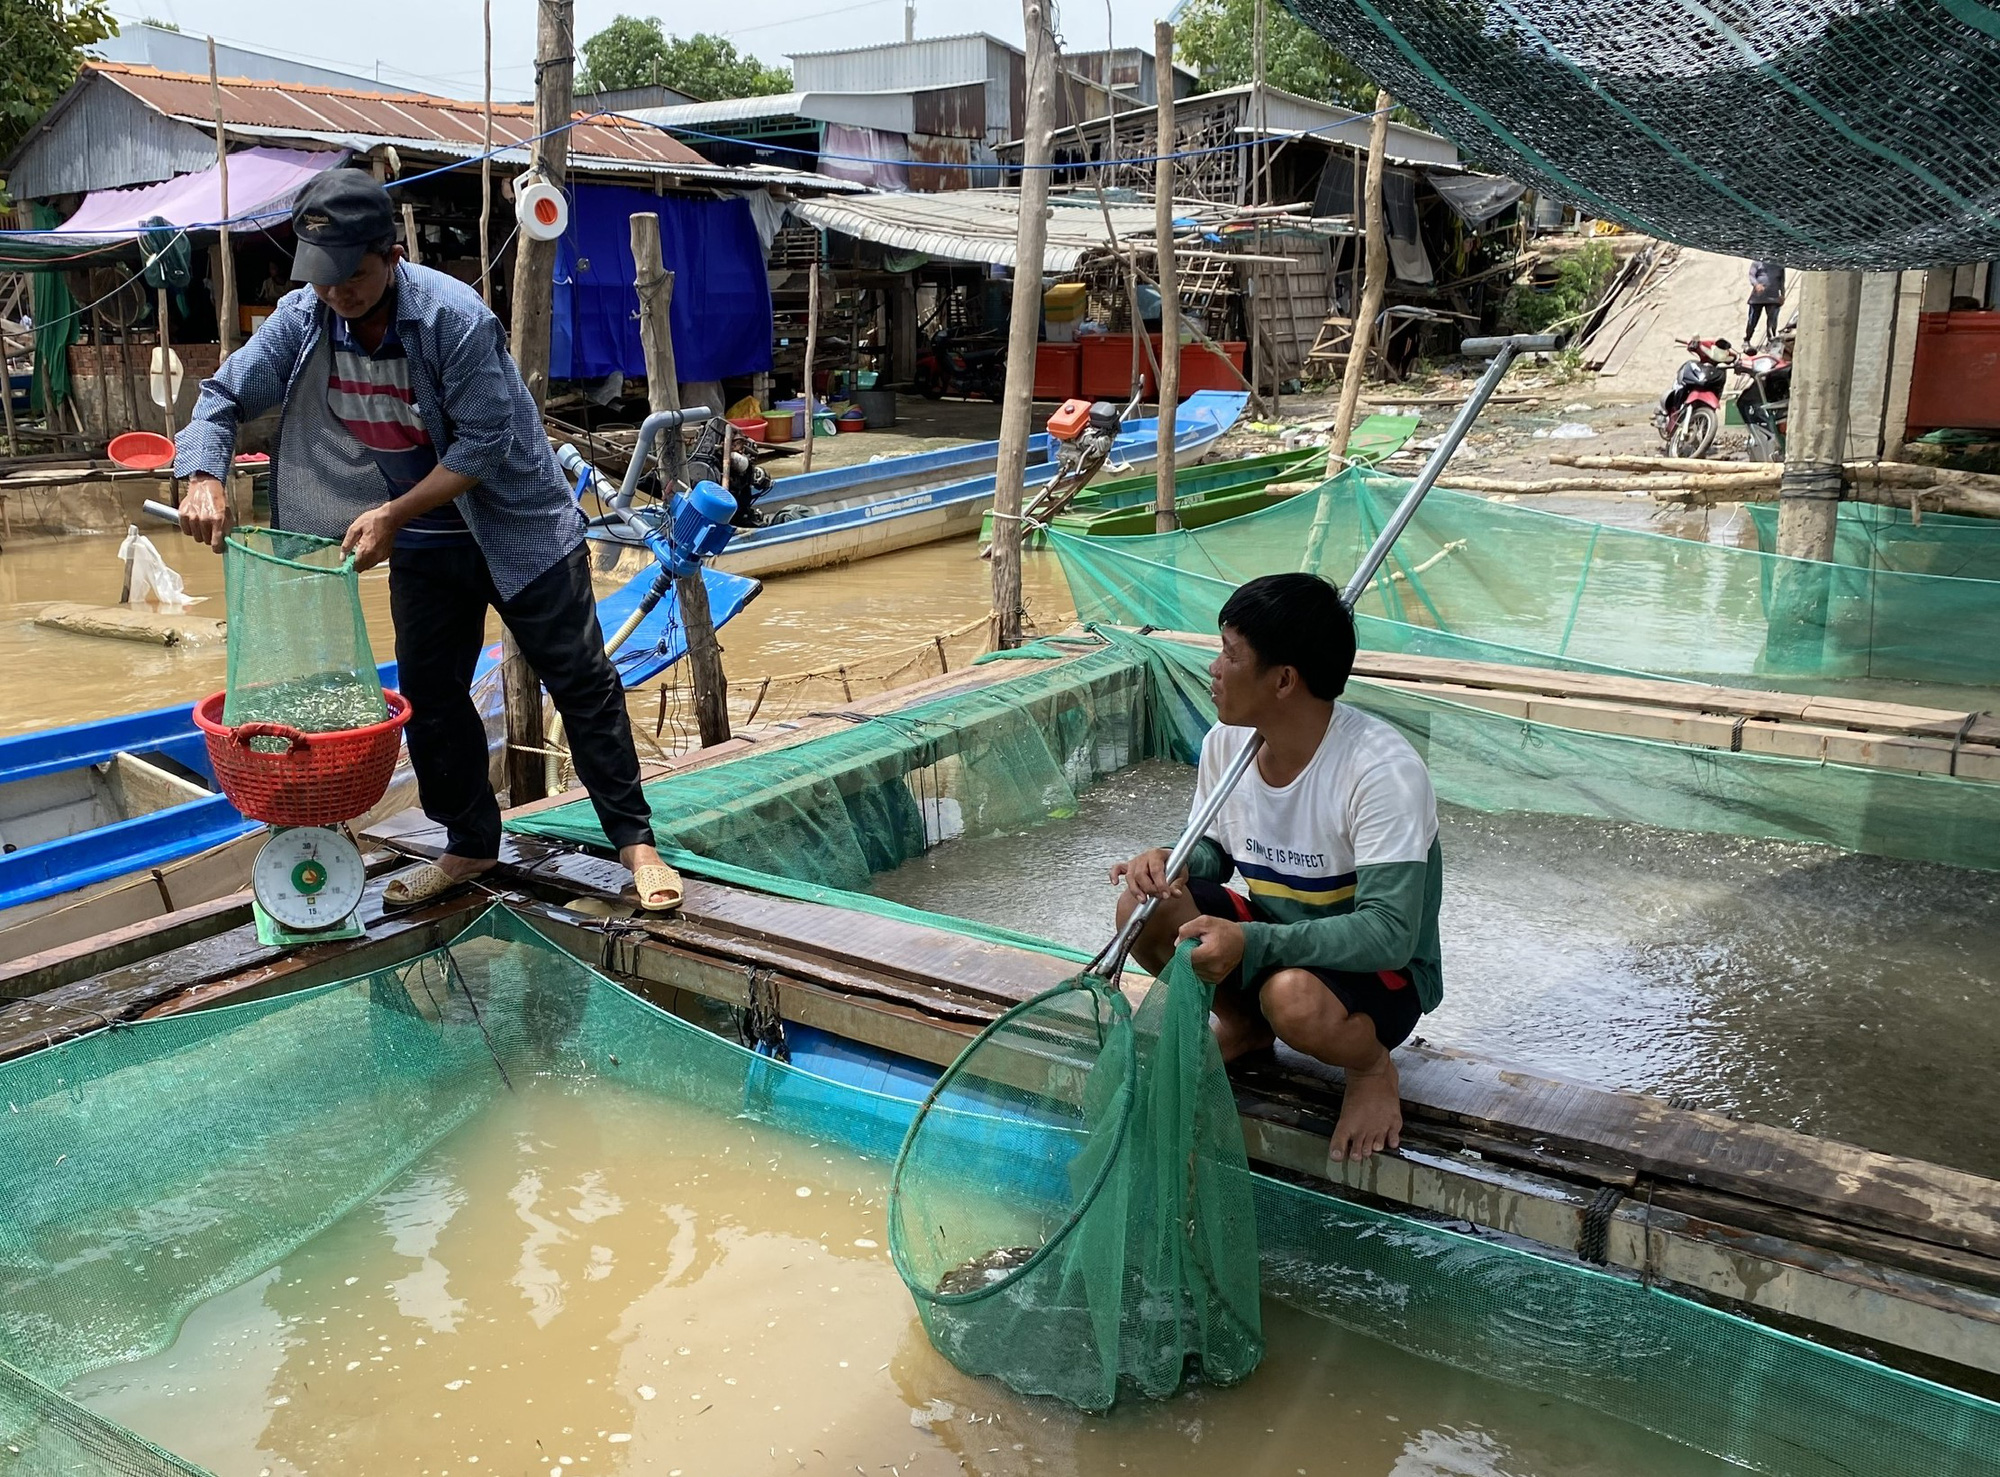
x: 746, y: 481
x: 1084, y: 433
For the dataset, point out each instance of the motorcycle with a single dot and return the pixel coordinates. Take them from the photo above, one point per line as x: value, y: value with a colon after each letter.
x: 1690, y: 414
x: 956, y: 366
x: 1764, y: 401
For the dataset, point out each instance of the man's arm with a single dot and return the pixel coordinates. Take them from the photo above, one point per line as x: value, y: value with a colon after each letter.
x: 476, y: 380
x: 370, y: 537
x: 251, y: 381
x: 1381, y: 933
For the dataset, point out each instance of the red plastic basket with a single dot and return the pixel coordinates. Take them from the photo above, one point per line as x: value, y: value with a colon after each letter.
x: 319, y: 779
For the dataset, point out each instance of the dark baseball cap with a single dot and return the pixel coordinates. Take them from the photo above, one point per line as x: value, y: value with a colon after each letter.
x: 337, y: 216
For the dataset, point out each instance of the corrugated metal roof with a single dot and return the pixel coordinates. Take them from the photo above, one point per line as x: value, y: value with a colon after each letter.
x: 699, y: 173
x: 792, y: 56
x: 980, y: 225
x: 892, y: 110
x: 143, y: 44
x: 297, y: 110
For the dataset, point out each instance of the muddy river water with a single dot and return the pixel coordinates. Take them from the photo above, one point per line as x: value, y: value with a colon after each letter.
x: 603, y: 1281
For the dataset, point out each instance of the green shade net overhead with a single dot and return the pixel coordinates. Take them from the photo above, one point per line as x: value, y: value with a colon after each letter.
x: 298, y: 641
x: 1072, y: 1209
x: 1490, y: 581
x: 152, y: 1167
x: 1817, y: 133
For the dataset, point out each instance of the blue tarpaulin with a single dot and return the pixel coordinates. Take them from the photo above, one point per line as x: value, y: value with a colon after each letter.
x: 722, y: 300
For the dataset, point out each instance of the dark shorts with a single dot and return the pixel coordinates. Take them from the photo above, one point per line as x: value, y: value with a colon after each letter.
x: 1388, y: 999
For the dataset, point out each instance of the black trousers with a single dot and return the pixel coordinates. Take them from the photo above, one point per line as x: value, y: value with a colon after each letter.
x: 1770, y: 312
x: 438, y: 599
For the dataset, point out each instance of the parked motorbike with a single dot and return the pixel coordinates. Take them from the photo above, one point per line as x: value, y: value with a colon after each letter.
x: 961, y: 366
x: 1764, y: 400
x: 1690, y: 415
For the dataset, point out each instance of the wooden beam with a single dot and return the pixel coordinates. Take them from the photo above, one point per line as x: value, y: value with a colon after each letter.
x: 533, y: 309
x: 1377, y: 280
x: 1017, y: 403
x: 1165, y: 518
x: 655, y: 287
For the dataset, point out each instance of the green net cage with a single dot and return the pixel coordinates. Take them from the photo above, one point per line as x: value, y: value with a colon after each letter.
x: 298, y: 642
x: 1876, y: 536
x: 1489, y: 581
x: 1072, y: 1207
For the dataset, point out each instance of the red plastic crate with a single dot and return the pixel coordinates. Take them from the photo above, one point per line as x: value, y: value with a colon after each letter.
x: 1955, y: 381
x: 1058, y: 371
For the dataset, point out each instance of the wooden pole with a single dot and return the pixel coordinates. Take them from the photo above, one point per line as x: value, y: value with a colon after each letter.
x: 225, y: 307
x: 1165, y: 519
x: 534, y: 307
x: 812, y: 348
x: 486, y: 175
x: 1374, y: 285
x: 1254, y: 303
x: 166, y: 367
x: 412, y: 247
x: 655, y: 285
x: 1017, y: 403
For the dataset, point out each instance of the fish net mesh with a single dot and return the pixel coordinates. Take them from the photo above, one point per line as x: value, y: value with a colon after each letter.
x: 1872, y: 536
x: 1819, y: 133
x: 1072, y: 1209
x: 298, y: 641
x: 150, y: 1168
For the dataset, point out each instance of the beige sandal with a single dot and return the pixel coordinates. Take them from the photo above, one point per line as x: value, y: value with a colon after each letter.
x: 426, y: 884
x: 659, y: 887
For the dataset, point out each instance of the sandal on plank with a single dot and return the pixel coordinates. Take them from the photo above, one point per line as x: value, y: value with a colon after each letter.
x: 426, y: 884
x: 659, y: 887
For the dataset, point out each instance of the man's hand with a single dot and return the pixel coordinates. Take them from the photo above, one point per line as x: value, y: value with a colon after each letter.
x: 1219, y: 946
x: 370, y: 537
x: 1146, y: 875
x: 205, y: 511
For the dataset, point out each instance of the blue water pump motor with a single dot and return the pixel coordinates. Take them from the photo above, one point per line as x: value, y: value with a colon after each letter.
x: 701, y: 525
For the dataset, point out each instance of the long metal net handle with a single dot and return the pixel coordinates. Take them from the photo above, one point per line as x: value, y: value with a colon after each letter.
x: 1110, y: 963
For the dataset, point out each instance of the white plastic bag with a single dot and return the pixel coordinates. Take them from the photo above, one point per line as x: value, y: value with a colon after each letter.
x: 152, y: 586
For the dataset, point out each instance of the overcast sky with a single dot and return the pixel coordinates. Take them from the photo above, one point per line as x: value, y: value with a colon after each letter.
x: 435, y: 46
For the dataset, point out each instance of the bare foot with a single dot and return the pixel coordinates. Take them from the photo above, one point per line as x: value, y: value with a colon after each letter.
x: 1371, y: 1113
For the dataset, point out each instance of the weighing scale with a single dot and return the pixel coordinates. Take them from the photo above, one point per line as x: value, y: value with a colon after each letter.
x: 306, y: 886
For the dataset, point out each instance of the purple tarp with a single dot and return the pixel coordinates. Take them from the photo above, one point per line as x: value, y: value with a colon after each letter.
x: 260, y: 181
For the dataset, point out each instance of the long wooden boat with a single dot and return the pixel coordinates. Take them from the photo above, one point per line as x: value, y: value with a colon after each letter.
x: 90, y: 803
x: 883, y: 512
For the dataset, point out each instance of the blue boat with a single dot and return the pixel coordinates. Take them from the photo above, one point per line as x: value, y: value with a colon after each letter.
x: 114, y: 797
x: 848, y: 513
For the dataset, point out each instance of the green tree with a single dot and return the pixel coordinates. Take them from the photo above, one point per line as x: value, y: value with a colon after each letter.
x: 39, y: 57
x: 1215, y: 38
x: 636, y: 52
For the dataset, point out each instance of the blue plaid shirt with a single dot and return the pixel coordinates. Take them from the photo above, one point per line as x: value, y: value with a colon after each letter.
x: 479, y: 414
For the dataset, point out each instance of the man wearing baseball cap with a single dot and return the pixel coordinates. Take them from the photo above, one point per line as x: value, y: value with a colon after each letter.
x: 406, y: 432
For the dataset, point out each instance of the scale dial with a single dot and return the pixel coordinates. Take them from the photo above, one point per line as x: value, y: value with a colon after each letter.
x: 308, y: 877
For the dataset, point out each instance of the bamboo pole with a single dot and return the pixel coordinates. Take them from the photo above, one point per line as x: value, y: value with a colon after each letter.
x: 486, y: 174
x: 225, y: 307
x: 1254, y: 301
x: 655, y: 286
x: 812, y: 349
x: 1375, y: 284
x: 1017, y: 404
x: 412, y: 248
x: 1165, y: 518
x: 533, y: 308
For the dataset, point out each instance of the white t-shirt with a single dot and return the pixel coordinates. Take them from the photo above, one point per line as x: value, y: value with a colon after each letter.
x: 1364, y: 800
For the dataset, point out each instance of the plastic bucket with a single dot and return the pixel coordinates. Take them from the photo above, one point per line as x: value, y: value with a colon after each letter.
x: 778, y: 426
x: 751, y: 430
x: 879, y: 406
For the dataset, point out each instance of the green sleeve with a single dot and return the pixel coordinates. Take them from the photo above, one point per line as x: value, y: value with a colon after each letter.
x: 1381, y: 933
x: 1209, y: 862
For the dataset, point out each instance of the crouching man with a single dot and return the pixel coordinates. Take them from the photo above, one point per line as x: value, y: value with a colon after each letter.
x: 1331, y: 945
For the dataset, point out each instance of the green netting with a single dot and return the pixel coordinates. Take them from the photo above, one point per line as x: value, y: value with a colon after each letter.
x: 816, y: 819
x: 1497, y: 582
x: 1072, y: 1207
x: 298, y: 642
x: 1818, y: 133
x: 1872, y: 536
x: 148, y: 1168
